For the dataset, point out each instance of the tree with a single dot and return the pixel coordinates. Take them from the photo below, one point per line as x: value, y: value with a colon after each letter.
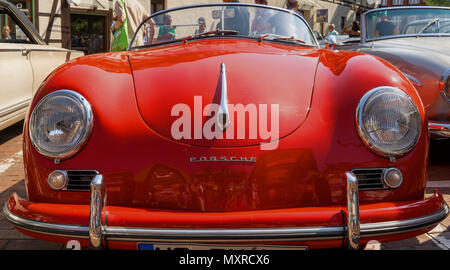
x: 445, y: 3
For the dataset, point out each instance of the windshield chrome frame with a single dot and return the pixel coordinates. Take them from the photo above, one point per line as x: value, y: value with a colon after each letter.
x: 222, y: 4
x: 364, y: 38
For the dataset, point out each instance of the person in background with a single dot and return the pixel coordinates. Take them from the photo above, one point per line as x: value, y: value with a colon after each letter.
x: 240, y: 22
x: 385, y: 28
x: 135, y: 13
x: 294, y: 5
x: 166, y: 31
x: 331, y: 37
x: 332, y: 30
x: 353, y: 30
x: 97, y: 43
x: 262, y: 22
x: 201, y: 26
x: 6, y: 33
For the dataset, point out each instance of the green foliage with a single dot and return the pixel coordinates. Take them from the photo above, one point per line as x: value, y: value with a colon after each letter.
x: 445, y: 3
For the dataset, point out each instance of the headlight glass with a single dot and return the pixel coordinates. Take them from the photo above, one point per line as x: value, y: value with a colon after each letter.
x: 388, y: 121
x: 60, y: 124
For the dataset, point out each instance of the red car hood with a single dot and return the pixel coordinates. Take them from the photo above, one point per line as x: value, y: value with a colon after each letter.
x: 256, y: 73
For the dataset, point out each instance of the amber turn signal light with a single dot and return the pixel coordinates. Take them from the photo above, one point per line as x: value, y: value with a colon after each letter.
x: 57, y: 180
x: 392, y: 177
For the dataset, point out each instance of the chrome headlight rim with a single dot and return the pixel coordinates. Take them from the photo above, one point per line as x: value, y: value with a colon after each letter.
x: 86, y: 132
x: 444, y: 85
x: 359, y: 123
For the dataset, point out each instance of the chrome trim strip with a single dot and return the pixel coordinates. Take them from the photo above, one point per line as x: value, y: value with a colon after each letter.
x: 78, y: 231
x: 225, y: 235
x: 408, y: 36
x: 353, y: 226
x: 406, y: 7
x: 95, y: 216
x: 49, y: 49
x: 401, y: 226
x: 15, y: 107
x: 413, y: 79
x: 439, y: 129
x: 11, y: 49
x: 362, y: 28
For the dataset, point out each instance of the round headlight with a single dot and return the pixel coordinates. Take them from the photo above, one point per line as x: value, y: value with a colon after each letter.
x: 60, y: 124
x: 388, y: 121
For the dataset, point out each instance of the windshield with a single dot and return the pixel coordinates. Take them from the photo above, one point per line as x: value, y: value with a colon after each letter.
x: 241, y: 20
x: 407, y: 21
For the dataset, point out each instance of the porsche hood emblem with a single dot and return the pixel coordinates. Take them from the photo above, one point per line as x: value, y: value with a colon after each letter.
x: 227, y: 121
x: 223, y: 117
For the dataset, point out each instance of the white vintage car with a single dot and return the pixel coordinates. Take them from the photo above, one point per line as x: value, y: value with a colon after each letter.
x: 25, y: 61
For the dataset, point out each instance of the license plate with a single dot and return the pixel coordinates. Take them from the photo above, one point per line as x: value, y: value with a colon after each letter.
x: 174, y: 246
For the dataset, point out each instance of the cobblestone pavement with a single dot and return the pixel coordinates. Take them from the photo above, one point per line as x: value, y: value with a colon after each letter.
x: 12, y: 175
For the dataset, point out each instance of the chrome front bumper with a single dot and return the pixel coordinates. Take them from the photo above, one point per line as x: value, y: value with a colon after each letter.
x: 439, y: 130
x: 98, y: 233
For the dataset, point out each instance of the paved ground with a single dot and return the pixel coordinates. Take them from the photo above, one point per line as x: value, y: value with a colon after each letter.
x: 12, y: 175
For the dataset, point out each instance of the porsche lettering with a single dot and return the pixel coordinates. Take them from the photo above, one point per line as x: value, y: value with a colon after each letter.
x: 219, y: 159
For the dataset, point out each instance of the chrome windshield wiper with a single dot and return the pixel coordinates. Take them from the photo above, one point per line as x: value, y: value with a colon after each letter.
x: 217, y: 32
x: 428, y: 25
x: 291, y: 39
x: 279, y: 37
x: 212, y: 33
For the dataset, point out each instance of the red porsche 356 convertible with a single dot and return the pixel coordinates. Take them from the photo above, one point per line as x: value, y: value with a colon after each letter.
x: 225, y: 125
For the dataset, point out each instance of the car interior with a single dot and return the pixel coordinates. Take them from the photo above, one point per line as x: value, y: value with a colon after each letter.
x: 11, y: 31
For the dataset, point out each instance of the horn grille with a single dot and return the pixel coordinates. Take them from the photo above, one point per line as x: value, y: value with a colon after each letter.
x: 80, y: 180
x: 370, y: 179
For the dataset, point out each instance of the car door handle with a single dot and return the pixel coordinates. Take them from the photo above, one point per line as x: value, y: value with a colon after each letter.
x: 26, y: 52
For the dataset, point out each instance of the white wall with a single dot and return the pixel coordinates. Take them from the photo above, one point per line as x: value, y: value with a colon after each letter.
x: 45, y: 6
x: 335, y: 12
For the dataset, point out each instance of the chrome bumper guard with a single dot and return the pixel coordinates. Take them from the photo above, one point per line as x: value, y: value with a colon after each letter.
x: 353, y: 226
x: 439, y: 130
x: 98, y: 200
x: 98, y: 233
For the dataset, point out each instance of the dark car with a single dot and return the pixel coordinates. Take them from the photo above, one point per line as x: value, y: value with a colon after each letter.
x: 417, y: 41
